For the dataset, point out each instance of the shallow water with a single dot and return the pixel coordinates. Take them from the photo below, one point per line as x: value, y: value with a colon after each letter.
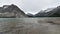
x: 29, y: 26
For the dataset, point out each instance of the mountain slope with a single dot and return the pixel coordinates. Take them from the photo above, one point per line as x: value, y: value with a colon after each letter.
x: 54, y: 12
x: 9, y: 11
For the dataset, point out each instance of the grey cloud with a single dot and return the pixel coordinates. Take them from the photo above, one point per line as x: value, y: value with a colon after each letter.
x: 31, y: 5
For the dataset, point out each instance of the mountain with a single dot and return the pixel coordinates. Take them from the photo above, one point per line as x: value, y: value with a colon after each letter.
x: 55, y: 12
x: 11, y: 11
x: 51, y: 12
x: 40, y: 14
x: 30, y: 15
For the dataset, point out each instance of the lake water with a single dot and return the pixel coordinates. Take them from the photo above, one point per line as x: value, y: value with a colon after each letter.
x: 30, y: 25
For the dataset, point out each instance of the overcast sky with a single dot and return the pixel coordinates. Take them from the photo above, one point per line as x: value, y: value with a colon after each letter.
x: 31, y: 6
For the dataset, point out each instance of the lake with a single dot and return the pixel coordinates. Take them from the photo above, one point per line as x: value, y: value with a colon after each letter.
x: 30, y: 25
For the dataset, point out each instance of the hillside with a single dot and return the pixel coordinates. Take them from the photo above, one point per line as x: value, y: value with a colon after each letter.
x: 11, y: 11
x: 50, y: 12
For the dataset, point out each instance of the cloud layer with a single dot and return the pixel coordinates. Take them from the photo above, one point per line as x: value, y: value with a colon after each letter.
x: 31, y: 5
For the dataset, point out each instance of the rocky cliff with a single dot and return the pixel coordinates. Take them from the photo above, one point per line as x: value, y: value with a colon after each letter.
x: 11, y: 11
